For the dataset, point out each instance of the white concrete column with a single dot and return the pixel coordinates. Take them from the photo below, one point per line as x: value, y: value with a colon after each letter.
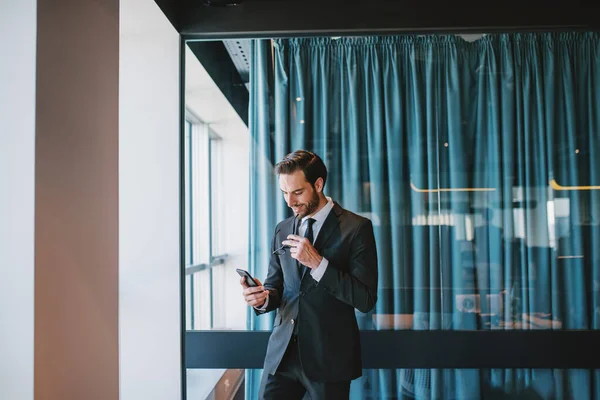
x: 89, y: 201
x: 17, y: 161
x: 149, y: 273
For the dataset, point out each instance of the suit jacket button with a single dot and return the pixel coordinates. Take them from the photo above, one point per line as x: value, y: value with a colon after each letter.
x: 301, y: 293
x: 293, y: 321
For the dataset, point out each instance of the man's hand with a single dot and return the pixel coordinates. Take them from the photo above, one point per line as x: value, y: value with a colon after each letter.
x: 255, y: 296
x: 303, y: 251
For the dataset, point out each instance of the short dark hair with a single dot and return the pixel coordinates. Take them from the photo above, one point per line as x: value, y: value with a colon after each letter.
x: 305, y: 161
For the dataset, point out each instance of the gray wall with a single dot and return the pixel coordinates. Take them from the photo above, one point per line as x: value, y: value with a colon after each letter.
x: 17, y: 156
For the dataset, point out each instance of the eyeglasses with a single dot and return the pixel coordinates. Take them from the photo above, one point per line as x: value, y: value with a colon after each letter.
x: 281, y: 251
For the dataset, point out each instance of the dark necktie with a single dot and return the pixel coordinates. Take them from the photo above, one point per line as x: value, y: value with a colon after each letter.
x: 310, y: 236
x: 309, y: 230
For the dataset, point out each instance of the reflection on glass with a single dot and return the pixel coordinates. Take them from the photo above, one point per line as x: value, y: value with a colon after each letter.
x: 215, y: 384
x: 422, y: 384
x: 472, y: 384
x: 451, y: 148
x: 216, y: 196
x: 477, y: 161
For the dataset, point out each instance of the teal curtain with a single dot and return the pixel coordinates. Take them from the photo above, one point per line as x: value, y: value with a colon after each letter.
x: 478, y: 163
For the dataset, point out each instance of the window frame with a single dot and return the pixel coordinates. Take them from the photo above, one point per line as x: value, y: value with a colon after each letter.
x: 389, y: 349
x: 192, y: 127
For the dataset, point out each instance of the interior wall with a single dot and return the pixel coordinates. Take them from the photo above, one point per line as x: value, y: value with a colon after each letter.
x: 17, y: 160
x: 149, y: 263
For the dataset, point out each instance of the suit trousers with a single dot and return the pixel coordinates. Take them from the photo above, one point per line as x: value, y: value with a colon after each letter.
x: 290, y: 381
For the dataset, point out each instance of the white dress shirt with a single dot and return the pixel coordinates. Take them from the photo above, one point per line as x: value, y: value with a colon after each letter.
x: 319, y: 217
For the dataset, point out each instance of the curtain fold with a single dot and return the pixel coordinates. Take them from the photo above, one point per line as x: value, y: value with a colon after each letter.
x: 479, y: 165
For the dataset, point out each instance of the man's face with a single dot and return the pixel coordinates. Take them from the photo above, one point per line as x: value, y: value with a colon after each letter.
x: 299, y: 194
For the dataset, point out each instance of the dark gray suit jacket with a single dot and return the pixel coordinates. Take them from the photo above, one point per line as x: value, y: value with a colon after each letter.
x: 323, y: 312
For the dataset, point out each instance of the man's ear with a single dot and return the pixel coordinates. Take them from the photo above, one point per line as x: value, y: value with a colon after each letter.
x: 319, y: 185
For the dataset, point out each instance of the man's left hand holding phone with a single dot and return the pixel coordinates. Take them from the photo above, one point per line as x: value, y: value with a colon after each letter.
x: 254, y: 292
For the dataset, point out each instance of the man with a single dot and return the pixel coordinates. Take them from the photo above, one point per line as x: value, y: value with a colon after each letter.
x: 323, y: 266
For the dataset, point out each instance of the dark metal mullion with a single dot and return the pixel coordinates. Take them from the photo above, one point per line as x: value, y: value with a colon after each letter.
x: 192, y: 308
x: 182, y: 219
x: 191, y: 222
x: 262, y: 19
x: 439, y: 205
x: 210, y: 230
x: 542, y: 349
x: 192, y: 269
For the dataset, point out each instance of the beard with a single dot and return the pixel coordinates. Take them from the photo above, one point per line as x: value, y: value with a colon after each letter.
x: 310, y: 207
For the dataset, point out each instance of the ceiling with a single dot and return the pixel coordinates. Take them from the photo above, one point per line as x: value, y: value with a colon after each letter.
x: 239, y: 51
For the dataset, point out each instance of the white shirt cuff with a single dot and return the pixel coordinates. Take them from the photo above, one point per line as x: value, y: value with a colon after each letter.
x: 264, y: 306
x: 318, y: 272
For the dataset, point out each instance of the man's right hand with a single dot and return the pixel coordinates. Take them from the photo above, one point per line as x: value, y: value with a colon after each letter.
x: 255, y: 296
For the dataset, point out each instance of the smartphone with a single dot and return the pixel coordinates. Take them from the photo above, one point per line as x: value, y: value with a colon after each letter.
x: 249, y: 280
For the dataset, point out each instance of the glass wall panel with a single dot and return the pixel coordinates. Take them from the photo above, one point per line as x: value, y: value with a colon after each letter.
x: 476, y: 384
x: 476, y: 159
x: 427, y: 384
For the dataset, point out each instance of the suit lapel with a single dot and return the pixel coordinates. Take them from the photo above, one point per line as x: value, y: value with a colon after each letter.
x: 329, y: 226
x: 331, y: 222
